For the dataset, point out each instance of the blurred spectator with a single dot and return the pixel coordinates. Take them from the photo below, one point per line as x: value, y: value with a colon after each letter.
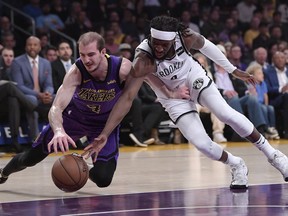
x: 128, y: 23
x: 8, y: 40
x: 125, y: 50
x: 32, y: 8
x: 118, y: 34
x: 62, y: 65
x: 59, y: 8
x: 235, y: 37
x: 80, y: 26
x: 283, y: 9
x: 252, y: 32
x: 185, y: 19
x: 214, y: 25
x: 276, y: 77
x: 260, y: 57
x: 262, y: 39
x: 110, y: 45
x: 97, y: 12
x: 261, y: 92
x: 229, y: 26
x: 235, y: 57
x: 142, y: 27
x: 33, y: 75
x: 245, y: 10
x: 50, y: 53
x: 14, y: 100
x: 47, y: 20
x: 74, y: 10
x: 285, y: 51
x: 277, y: 21
x: 150, y: 7
x: 275, y: 32
x: 171, y: 8
x: 44, y: 42
x: 5, y: 25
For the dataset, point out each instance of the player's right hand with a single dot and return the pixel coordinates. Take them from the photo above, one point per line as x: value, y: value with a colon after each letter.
x: 61, y: 140
x: 95, y: 147
x: 181, y: 93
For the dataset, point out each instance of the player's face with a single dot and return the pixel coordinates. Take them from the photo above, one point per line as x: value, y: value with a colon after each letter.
x: 161, y: 48
x: 91, y: 56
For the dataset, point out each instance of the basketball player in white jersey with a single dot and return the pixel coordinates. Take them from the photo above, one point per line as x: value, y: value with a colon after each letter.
x: 164, y: 59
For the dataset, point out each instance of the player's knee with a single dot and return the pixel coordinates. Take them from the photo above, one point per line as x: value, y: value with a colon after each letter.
x: 210, y: 149
x: 100, y: 179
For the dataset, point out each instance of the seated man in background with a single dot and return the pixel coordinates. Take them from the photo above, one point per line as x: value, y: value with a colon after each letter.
x: 13, y: 99
x: 33, y: 76
x: 152, y: 112
x: 276, y: 78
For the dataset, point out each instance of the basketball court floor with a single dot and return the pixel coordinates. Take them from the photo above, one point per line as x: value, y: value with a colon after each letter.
x: 157, y: 181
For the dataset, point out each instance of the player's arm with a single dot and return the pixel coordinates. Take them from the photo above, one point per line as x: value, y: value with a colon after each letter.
x: 133, y: 81
x: 196, y: 41
x: 62, y: 99
x: 133, y: 77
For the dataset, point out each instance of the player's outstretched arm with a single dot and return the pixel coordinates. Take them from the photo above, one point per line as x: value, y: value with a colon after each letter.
x: 62, y: 99
x: 121, y: 108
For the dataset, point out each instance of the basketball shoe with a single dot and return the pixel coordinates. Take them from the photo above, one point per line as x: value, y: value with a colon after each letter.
x: 139, y: 143
x: 239, y: 176
x: 3, y: 178
x: 280, y: 162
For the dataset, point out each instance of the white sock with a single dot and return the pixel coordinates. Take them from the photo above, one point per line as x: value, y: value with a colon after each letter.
x: 232, y: 160
x: 263, y: 145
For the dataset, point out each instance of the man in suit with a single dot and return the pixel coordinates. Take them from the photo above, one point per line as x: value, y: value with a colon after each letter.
x: 63, y: 63
x: 33, y: 75
x: 276, y: 77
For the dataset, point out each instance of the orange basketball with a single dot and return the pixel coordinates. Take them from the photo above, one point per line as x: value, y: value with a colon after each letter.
x: 70, y: 172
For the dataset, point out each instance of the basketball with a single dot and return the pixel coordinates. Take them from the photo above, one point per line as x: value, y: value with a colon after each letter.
x: 70, y: 172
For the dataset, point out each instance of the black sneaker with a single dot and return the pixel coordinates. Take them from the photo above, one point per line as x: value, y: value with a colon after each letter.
x: 3, y: 178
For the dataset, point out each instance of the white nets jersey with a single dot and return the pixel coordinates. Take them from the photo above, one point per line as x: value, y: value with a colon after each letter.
x: 180, y: 70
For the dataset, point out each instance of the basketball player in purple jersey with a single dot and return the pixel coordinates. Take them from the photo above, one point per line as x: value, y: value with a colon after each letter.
x: 166, y: 55
x: 81, y: 108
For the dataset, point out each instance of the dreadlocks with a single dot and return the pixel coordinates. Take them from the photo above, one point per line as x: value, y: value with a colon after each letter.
x: 166, y: 23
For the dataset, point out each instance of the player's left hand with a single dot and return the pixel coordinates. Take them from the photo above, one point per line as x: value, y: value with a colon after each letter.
x: 246, y: 77
x: 95, y: 147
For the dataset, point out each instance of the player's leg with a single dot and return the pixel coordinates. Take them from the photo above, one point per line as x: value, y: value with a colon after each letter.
x: 212, y: 99
x: 191, y: 127
x: 21, y: 161
x: 102, y: 172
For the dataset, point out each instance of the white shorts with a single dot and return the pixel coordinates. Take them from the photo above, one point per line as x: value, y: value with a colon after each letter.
x: 196, y: 81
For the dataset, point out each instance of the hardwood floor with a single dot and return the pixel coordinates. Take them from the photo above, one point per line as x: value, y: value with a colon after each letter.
x: 156, y: 169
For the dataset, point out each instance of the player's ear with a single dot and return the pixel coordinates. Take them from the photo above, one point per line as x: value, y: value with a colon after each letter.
x: 103, y: 51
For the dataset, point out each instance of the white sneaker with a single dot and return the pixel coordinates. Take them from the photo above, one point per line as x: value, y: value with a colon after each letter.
x: 280, y: 162
x: 136, y: 141
x: 239, y: 176
x: 149, y: 141
x: 219, y: 138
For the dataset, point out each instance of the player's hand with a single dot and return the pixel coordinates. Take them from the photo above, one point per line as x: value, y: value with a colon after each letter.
x: 181, y: 93
x: 61, y: 140
x: 95, y: 147
x: 246, y: 77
